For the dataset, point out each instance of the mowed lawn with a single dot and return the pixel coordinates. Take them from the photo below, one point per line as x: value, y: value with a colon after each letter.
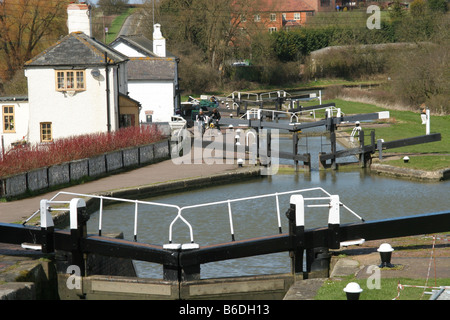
x: 406, y: 124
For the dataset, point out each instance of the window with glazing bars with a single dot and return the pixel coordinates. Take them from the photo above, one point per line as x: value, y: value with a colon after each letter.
x: 70, y: 80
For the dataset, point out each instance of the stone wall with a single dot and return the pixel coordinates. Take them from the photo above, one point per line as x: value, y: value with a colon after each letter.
x: 50, y: 177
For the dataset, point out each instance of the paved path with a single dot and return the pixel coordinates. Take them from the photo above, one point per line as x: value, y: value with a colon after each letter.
x: 19, y: 210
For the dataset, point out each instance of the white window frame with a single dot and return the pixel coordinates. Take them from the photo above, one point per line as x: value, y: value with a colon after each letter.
x: 8, y: 118
x: 70, y: 80
x: 47, y: 134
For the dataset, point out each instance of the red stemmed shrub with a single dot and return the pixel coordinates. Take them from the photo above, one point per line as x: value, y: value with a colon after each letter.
x: 62, y: 150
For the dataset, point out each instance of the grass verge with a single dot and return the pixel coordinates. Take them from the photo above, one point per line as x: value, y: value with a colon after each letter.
x: 429, y: 163
x: 116, y: 25
x: 386, y: 290
x: 404, y: 124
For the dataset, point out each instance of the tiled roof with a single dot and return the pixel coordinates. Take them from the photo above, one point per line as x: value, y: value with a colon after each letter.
x: 281, y: 6
x: 13, y: 98
x: 76, y: 49
x: 151, y: 69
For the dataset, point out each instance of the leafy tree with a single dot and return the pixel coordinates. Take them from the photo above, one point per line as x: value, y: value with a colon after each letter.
x: 438, y: 5
x: 396, y: 11
x: 418, y: 8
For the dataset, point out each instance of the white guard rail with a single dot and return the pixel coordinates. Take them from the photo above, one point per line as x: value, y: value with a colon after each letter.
x: 333, y: 203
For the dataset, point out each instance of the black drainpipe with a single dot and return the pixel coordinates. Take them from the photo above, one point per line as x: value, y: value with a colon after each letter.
x: 107, y: 94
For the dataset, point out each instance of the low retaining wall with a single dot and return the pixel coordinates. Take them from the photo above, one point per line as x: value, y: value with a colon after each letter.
x: 266, y: 287
x: 57, y: 175
x: 412, y: 174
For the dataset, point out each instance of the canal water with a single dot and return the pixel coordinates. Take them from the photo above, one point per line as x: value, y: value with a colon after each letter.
x: 370, y: 196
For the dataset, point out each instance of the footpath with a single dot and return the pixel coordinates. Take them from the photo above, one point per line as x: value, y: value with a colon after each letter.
x: 162, y: 172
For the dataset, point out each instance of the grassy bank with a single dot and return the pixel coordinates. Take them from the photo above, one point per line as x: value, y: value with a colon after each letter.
x: 405, y: 124
x: 333, y: 289
x: 402, y: 124
x: 409, y: 274
x: 429, y: 162
x: 116, y: 25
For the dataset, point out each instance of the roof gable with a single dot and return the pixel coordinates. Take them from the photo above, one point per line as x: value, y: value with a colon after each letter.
x: 76, y: 49
x: 140, y: 44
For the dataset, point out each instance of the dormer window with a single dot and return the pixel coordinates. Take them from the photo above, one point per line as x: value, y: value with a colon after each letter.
x: 70, y: 80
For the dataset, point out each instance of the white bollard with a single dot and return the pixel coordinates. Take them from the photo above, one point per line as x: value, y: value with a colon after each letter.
x: 353, y: 290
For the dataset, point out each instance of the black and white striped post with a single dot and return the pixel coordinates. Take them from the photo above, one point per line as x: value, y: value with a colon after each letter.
x: 47, y: 227
x: 296, y: 217
x: 334, y: 222
x: 78, y: 231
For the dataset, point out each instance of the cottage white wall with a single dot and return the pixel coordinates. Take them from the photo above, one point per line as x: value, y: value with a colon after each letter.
x: 153, y: 96
x: 83, y: 113
x: 21, y: 117
x: 156, y: 96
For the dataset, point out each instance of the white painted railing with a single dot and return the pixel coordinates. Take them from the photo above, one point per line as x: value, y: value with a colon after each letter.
x: 332, y: 202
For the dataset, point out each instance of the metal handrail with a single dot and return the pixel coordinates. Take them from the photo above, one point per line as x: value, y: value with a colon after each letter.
x: 276, y: 195
x: 180, y: 210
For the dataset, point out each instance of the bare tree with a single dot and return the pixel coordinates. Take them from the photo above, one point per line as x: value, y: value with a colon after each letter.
x: 112, y: 6
x: 212, y: 25
x: 23, y: 25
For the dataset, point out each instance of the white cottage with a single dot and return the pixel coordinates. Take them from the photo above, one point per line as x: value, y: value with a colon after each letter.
x: 80, y: 85
x: 152, y: 75
x: 77, y: 86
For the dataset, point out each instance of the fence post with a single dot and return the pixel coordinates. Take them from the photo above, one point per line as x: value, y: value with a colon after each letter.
x: 333, y: 222
x: 307, y: 162
x: 47, y: 228
x: 78, y: 231
x: 362, y: 155
x: 318, y: 259
x: 332, y: 128
x: 380, y: 148
x: 295, y: 148
x: 296, y: 217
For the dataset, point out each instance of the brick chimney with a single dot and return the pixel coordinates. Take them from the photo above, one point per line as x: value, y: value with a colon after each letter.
x: 159, y: 42
x: 79, y: 18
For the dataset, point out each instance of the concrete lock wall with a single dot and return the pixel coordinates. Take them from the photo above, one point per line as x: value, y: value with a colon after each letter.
x: 70, y: 172
x: 265, y: 287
